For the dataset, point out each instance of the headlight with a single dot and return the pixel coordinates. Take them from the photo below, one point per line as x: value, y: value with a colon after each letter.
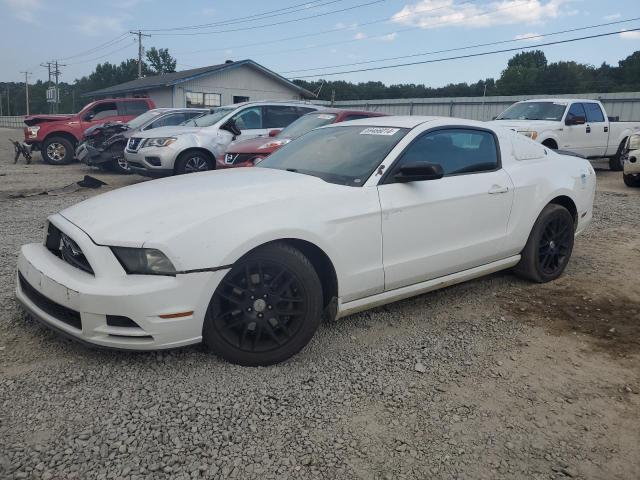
x: 33, y: 131
x: 159, y: 142
x: 532, y: 134
x: 144, y: 261
x: 274, y: 143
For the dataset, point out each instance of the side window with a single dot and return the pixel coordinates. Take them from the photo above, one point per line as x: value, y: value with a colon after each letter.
x: 280, y: 116
x: 201, y: 100
x: 104, y: 110
x: 456, y: 150
x: 249, y: 119
x: 135, y: 107
x: 240, y: 99
x: 594, y: 112
x: 305, y: 110
x: 168, y: 120
x: 576, y: 110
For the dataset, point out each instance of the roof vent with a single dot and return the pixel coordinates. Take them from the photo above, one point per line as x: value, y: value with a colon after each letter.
x: 228, y: 61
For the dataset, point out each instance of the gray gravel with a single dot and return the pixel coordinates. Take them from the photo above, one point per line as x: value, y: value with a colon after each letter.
x: 474, y: 381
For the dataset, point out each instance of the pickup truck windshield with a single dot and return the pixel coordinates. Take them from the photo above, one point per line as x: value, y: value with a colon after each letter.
x: 209, y: 119
x: 343, y: 155
x: 534, y: 111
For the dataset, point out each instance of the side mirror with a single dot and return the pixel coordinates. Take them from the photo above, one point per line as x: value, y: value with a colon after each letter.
x: 230, y: 126
x: 89, y: 116
x: 575, y: 121
x: 275, y: 132
x: 417, y: 171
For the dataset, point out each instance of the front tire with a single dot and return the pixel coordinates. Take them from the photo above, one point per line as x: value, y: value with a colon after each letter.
x: 57, y: 151
x: 549, y: 247
x: 193, y: 162
x: 631, y: 180
x: 119, y: 164
x: 615, y: 162
x: 266, y: 309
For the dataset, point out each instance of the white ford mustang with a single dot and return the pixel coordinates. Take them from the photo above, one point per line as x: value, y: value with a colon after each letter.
x: 345, y: 218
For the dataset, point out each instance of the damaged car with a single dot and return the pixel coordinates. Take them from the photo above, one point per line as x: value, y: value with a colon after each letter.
x: 104, y: 143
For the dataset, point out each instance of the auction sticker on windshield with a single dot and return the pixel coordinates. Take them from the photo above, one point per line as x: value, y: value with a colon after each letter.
x: 324, y: 116
x: 379, y: 131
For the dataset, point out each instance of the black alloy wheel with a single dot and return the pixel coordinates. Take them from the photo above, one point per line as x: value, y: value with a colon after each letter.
x: 549, y: 247
x: 266, y: 308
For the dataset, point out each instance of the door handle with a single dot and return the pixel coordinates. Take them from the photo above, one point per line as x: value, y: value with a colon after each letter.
x: 606, y: 129
x: 588, y: 129
x: 498, y: 189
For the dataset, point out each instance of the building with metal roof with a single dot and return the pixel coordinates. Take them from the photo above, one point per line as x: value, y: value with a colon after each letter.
x: 223, y: 84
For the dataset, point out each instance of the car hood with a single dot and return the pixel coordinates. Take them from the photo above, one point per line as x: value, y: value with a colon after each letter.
x: 36, y: 119
x: 167, y: 131
x: 537, y: 125
x: 253, y: 145
x: 160, y: 209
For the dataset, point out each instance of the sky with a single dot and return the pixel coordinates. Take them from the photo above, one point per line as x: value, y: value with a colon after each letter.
x: 82, y: 33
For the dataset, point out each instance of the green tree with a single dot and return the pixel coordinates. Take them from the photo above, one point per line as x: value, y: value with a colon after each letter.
x: 160, y: 60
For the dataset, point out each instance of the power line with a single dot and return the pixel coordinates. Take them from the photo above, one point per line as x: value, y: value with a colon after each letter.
x: 322, y: 32
x: 267, y: 14
x: 433, y: 52
x: 282, y: 22
x: 114, y: 41
x: 102, y: 56
x: 471, y: 55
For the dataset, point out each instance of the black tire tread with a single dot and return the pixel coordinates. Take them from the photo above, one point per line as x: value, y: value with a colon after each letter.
x: 287, y: 253
x: 184, y: 156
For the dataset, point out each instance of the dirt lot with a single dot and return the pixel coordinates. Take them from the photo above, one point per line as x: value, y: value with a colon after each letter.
x: 518, y: 380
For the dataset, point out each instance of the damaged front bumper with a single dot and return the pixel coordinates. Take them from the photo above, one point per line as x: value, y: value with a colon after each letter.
x: 93, y: 156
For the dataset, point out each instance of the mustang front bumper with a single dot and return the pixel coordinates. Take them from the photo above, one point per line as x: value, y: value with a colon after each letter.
x: 111, y: 308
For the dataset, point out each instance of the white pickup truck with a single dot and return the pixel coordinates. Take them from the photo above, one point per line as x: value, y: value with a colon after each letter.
x: 571, y: 124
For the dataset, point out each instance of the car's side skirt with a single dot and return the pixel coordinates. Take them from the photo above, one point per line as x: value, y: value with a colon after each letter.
x: 366, y: 303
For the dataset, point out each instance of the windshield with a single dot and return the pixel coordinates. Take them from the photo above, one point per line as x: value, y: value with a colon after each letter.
x: 344, y: 155
x: 210, y: 118
x: 142, y: 119
x: 306, y: 123
x: 534, y: 111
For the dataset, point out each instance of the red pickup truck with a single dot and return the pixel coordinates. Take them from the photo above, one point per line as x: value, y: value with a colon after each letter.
x: 57, y: 136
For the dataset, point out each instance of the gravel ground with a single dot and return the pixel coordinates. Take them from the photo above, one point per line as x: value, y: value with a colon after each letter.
x: 496, y: 378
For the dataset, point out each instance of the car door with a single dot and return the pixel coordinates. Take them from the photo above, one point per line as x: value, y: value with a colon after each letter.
x: 576, y: 138
x: 433, y: 228
x: 250, y: 122
x: 597, y: 130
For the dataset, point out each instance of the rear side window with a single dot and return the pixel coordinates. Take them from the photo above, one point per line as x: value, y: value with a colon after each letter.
x: 103, y: 110
x: 455, y: 150
x: 279, y: 116
x: 594, y: 112
x: 135, y: 107
x: 576, y: 110
x: 169, y: 120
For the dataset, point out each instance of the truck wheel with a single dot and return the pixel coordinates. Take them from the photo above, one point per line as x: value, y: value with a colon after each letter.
x: 631, y: 180
x: 193, y: 162
x: 615, y: 162
x: 549, y: 246
x: 57, y: 151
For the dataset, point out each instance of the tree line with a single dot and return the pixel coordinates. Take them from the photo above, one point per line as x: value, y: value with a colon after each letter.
x: 527, y: 73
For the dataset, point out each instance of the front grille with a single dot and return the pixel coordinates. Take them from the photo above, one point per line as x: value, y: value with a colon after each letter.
x: 134, y: 144
x: 59, y: 312
x: 62, y: 246
x: 235, y: 158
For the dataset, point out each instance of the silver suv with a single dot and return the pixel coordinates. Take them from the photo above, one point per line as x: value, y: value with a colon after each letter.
x: 195, y: 145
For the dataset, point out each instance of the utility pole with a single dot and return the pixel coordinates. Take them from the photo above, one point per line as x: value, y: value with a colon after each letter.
x: 26, y: 88
x: 48, y: 67
x: 57, y: 74
x: 140, y: 50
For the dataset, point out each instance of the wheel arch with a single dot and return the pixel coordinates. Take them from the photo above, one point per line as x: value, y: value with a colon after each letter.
x: 568, y: 203
x: 550, y: 142
x: 59, y: 133
x: 322, y: 264
x: 202, y: 150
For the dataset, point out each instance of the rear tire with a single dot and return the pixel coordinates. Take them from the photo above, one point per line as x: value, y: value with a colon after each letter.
x: 549, y: 247
x: 631, y: 180
x: 615, y: 162
x: 194, y: 162
x: 266, y: 309
x: 57, y: 151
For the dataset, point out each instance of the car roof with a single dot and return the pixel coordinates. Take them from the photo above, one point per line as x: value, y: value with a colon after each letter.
x: 348, y: 111
x: 272, y: 102
x: 184, y: 109
x: 590, y: 100
x: 399, y: 121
